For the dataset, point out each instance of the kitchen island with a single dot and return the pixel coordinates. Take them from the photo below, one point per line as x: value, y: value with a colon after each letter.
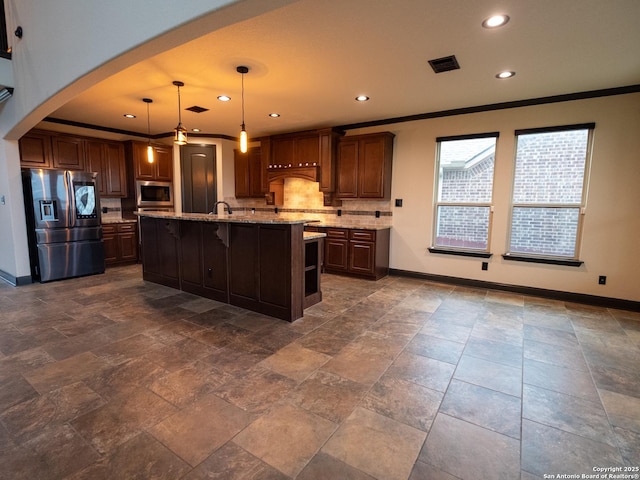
x: 254, y: 262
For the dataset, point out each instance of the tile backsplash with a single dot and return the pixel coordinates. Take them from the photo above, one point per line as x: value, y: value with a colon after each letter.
x: 304, y: 197
x: 113, y: 208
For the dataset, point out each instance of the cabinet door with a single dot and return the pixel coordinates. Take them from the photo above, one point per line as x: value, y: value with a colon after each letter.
x: 372, y: 167
x: 144, y: 170
x: 94, y: 163
x: 307, y: 150
x: 347, y: 169
x: 68, y: 152
x: 214, y: 260
x: 362, y: 257
x: 335, y: 254
x: 257, y: 181
x: 114, y: 170
x: 35, y: 150
x: 164, y: 163
x: 109, y: 239
x: 191, y: 254
x: 128, y: 242
x: 241, y: 174
x: 282, y: 152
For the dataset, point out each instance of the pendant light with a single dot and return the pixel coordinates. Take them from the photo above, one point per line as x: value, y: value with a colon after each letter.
x: 243, y: 132
x: 149, y: 147
x: 180, y: 137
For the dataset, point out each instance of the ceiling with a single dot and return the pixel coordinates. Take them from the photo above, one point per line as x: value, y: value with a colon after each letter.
x: 309, y: 60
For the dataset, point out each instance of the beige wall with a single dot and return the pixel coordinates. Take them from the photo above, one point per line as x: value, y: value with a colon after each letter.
x: 612, y: 219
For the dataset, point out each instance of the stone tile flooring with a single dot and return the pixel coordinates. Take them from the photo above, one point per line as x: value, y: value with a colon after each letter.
x: 109, y: 377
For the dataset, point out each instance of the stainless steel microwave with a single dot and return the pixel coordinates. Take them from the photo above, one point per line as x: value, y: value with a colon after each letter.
x: 154, y: 194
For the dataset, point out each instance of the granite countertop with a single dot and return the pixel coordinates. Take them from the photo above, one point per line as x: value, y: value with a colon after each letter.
x: 347, y: 224
x: 313, y: 235
x: 224, y: 217
x: 106, y: 221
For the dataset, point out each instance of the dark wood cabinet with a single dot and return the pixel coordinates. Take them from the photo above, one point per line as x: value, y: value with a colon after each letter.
x: 35, y: 150
x: 67, y: 152
x: 336, y: 250
x: 161, y: 170
x: 250, y: 173
x: 203, y: 261
x: 107, y: 159
x: 120, y: 243
x: 259, y: 267
x: 364, y: 166
x: 160, y: 251
x: 41, y: 149
x: 290, y: 150
x: 357, y: 252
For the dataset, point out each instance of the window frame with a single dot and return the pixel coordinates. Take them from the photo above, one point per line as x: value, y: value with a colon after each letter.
x: 582, y: 206
x: 453, y: 250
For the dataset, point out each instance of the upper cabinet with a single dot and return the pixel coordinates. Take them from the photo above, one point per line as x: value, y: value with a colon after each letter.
x: 250, y: 173
x: 162, y: 167
x: 40, y: 149
x: 107, y: 159
x: 363, y: 166
x: 68, y: 152
x: 35, y: 150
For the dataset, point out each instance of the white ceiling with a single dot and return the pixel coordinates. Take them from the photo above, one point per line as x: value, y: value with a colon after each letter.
x: 309, y: 60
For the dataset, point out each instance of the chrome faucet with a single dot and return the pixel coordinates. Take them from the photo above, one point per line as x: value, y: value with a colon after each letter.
x: 215, y: 207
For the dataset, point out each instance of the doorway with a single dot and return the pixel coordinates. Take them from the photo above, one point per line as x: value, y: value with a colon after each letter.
x: 198, y: 167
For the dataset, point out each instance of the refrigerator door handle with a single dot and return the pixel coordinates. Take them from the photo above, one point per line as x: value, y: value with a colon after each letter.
x: 72, y: 199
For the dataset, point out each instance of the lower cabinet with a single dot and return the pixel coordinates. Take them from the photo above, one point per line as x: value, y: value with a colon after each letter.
x: 120, y: 243
x: 357, y: 252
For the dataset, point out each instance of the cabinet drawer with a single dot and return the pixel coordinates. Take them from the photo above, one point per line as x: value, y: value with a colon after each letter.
x: 126, y: 227
x: 337, y: 233
x: 364, y: 235
x: 109, y: 229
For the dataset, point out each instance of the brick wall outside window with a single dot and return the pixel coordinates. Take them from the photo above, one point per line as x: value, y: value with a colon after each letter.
x: 550, y: 170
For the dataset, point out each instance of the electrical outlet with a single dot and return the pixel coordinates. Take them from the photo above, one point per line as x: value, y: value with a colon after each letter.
x: 602, y: 280
x: 485, y: 265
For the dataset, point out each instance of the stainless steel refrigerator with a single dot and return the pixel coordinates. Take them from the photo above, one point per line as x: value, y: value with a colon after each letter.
x: 63, y: 223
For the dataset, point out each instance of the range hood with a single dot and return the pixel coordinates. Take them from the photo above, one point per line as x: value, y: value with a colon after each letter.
x: 306, y: 172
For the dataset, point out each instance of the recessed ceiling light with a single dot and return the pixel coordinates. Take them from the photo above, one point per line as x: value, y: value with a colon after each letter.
x: 505, y: 74
x: 362, y: 98
x: 224, y: 98
x: 495, y: 21
x: 195, y: 129
x: 129, y: 115
x: 274, y: 115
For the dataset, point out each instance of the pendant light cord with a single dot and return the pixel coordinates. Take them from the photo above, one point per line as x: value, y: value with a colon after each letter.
x: 243, y: 100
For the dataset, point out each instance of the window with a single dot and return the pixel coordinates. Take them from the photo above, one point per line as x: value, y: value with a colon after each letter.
x: 464, y: 187
x: 549, y: 191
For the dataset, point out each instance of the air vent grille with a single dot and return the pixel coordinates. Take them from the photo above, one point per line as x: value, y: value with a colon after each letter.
x: 444, y: 64
x: 197, y: 109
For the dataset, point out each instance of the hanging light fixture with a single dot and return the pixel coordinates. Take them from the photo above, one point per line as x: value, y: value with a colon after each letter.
x: 180, y: 137
x: 149, y: 147
x: 243, y: 132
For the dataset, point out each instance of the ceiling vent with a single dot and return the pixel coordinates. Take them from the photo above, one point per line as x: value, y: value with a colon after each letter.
x: 444, y: 64
x: 197, y: 109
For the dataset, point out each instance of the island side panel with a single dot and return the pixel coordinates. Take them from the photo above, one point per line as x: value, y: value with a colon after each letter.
x: 281, y: 270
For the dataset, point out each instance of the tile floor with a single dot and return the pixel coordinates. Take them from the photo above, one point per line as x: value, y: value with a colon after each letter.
x: 109, y: 377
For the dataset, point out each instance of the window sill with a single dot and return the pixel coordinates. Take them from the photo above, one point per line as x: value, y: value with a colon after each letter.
x: 460, y: 253
x: 548, y: 261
